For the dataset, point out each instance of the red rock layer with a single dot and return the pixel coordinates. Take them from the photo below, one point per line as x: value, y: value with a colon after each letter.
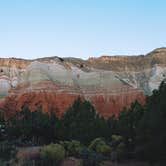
x: 112, y: 104
x: 59, y: 99
x: 47, y: 101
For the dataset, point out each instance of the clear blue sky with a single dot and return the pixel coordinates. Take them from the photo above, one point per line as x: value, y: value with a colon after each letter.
x: 81, y: 28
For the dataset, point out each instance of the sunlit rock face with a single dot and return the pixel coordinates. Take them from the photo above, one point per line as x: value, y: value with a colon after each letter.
x: 53, y: 83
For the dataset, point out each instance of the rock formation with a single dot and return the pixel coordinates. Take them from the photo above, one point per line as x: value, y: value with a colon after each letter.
x: 53, y: 83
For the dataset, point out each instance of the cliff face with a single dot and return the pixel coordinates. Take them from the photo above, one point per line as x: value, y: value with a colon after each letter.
x: 53, y: 83
x: 49, y: 96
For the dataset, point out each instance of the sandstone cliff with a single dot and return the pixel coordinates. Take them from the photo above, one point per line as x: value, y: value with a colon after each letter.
x: 53, y: 83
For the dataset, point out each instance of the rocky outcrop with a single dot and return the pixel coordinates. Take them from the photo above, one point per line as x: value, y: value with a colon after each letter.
x: 53, y: 83
x: 50, y: 97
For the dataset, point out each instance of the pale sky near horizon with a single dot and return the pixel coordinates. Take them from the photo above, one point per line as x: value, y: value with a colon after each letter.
x: 81, y: 28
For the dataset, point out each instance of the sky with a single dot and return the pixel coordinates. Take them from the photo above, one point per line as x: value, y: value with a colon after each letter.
x: 81, y: 28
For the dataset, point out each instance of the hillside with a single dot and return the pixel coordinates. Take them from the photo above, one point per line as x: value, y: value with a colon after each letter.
x: 53, y: 83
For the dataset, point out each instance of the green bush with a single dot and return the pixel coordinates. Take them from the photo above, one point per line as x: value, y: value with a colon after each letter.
x: 116, y: 140
x: 100, y: 146
x: 120, y: 150
x: 72, y: 148
x: 90, y: 157
x: 55, y: 152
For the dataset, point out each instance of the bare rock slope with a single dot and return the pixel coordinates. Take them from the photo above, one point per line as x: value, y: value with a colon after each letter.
x: 53, y: 83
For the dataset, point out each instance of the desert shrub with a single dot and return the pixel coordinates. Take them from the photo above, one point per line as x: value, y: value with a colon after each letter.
x: 116, y: 140
x: 100, y: 146
x: 53, y: 152
x: 72, y: 148
x: 118, y: 147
